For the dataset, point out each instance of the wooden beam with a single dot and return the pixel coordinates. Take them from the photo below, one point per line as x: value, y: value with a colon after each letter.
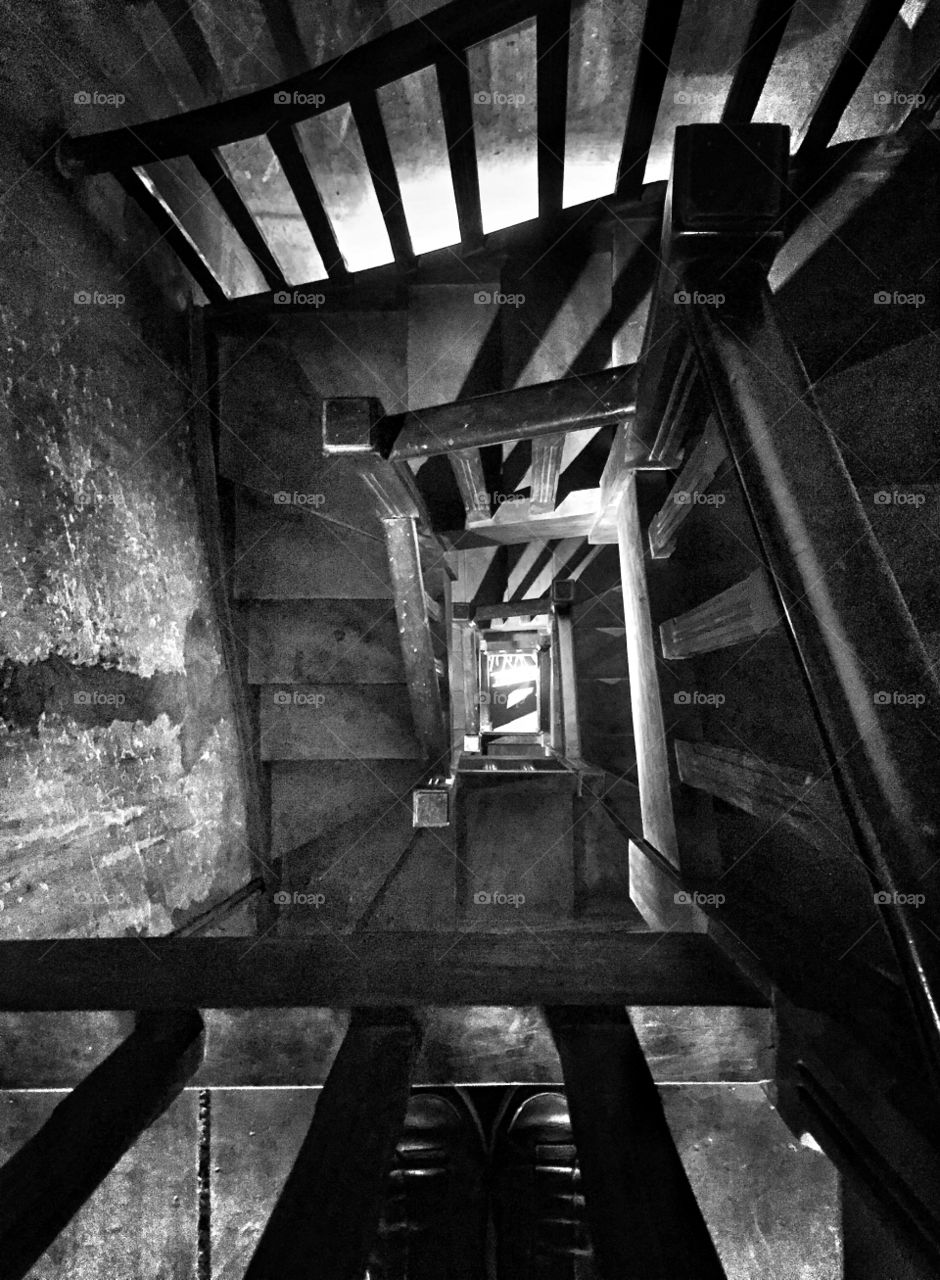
x: 545, y: 409
x: 649, y: 77
x: 649, y: 730
x: 280, y: 21
x: 168, y: 230
x: 643, y: 1216
x: 546, y: 469
x: 330, y: 1205
x: 47, y: 1181
x: 563, y: 639
x: 696, y: 475
x: 775, y: 793
x: 300, y: 180
x: 520, y: 607
x: 870, y: 31
x: 467, y: 465
x: 378, y: 154
x: 552, y: 39
x: 391, y: 56
x: 741, y: 613
x: 760, y: 49
x: 235, y: 209
x: 565, y: 965
x: 453, y: 81
x: 181, y: 20
x: 415, y: 634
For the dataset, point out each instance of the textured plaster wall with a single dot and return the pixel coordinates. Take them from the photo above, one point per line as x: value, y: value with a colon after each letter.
x: 120, y: 805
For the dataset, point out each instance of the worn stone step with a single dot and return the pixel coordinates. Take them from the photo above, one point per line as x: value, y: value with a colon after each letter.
x: 283, y: 555
x: 336, y: 722
x: 319, y: 641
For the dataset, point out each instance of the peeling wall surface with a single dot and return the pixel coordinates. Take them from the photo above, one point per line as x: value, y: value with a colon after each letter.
x: 121, y: 809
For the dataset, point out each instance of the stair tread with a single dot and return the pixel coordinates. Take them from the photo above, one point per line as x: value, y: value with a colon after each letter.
x: 291, y: 557
x: 313, y: 799
x: 336, y: 722
x: 327, y: 640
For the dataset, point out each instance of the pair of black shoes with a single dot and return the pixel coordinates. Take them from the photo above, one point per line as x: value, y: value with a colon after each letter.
x: 447, y: 1180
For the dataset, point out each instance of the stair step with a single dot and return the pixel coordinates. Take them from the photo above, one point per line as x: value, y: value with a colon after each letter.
x: 515, y: 841
x: 602, y: 866
x: 605, y: 609
x: 598, y: 653
x: 336, y: 722
x: 906, y: 522
x: 420, y: 893
x: 315, y: 799
x: 319, y: 641
x: 281, y: 555
x: 884, y: 413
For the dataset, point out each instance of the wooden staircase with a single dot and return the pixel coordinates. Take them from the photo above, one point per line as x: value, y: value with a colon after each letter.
x: 767, y: 842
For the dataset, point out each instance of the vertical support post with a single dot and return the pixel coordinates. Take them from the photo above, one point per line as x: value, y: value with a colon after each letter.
x: 649, y: 732
x: 644, y: 1219
x: 563, y: 638
x: 328, y: 1211
x: 411, y: 610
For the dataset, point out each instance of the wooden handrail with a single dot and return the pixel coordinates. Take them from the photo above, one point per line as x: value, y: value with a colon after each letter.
x: 850, y: 626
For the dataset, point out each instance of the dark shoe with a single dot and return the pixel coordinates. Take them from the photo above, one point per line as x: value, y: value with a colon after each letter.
x: 433, y: 1223
x: 538, y: 1207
